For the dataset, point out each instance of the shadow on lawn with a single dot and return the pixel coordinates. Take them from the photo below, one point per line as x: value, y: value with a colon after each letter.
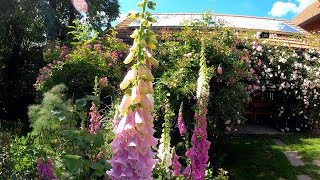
x: 256, y: 157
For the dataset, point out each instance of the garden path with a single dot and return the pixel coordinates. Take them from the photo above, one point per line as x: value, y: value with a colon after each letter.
x: 254, y: 129
x: 316, y: 162
x: 294, y: 159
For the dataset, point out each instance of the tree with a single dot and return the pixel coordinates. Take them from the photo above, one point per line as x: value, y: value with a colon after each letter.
x: 59, y: 14
x: 25, y: 27
x: 21, y: 36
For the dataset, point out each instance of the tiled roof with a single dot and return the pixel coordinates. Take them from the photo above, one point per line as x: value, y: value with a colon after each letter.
x: 307, y: 14
x: 172, y: 20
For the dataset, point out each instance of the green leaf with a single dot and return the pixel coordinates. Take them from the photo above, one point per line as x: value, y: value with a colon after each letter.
x: 73, y: 163
x: 95, y: 99
x: 80, y: 103
x: 99, y: 140
x: 82, y: 115
x: 71, y: 134
x: 97, y: 166
x: 140, y: 4
x: 151, y: 5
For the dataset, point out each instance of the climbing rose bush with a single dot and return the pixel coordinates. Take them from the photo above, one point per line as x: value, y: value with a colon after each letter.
x: 292, y: 75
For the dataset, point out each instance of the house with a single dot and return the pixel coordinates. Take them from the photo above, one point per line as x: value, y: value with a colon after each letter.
x: 276, y: 31
x: 309, y: 18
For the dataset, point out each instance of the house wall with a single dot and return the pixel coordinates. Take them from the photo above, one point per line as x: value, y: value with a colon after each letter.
x: 313, y: 26
x: 307, y: 14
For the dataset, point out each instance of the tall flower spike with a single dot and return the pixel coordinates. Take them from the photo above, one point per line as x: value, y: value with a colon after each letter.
x: 45, y: 169
x: 132, y: 147
x: 181, y: 125
x: 164, y: 150
x: 176, y: 166
x: 198, y: 153
x: 94, y: 119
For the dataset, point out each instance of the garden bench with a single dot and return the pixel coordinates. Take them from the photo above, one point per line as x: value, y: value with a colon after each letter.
x: 261, y: 105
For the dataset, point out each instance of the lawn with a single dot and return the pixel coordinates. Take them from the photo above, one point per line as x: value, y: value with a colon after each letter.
x: 309, y: 149
x: 257, y: 157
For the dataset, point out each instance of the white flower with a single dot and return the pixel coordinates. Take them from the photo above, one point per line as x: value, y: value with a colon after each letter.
x: 307, y: 56
x: 200, y: 84
x: 188, y: 55
x: 259, y: 48
x: 282, y: 60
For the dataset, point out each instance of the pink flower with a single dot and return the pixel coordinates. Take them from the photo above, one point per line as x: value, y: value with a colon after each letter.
x: 220, y: 70
x: 255, y: 44
x: 132, y: 146
x: 181, y: 125
x: 88, y: 46
x: 103, y: 82
x: 45, y: 169
x: 95, y: 117
x: 198, y: 153
x: 97, y: 46
x: 186, y: 172
x: 176, y: 166
x: 252, y: 71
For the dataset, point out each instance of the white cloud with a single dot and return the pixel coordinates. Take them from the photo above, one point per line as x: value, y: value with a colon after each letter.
x: 281, y: 8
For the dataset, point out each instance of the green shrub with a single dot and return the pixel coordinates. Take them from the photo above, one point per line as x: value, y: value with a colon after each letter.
x: 62, y: 133
x: 176, y: 79
x: 77, y: 65
x: 18, y: 156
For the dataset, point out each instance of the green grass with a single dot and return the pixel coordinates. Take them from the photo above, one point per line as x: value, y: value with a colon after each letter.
x: 309, y: 149
x: 256, y: 157
x: 307, y: 146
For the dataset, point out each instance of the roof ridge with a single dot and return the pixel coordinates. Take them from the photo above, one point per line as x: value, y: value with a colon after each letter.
x: 222, y: 14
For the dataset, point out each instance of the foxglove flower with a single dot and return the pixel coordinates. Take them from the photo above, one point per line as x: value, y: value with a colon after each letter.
x: 176, y: 166
x: 45, y: 169
x: 132, y: 147
x: 181, y: 125
x: 198, y: 153
x: 186, y: 172
x: 95, y: 117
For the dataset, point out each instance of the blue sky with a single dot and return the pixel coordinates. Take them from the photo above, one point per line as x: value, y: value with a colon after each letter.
x: 283, y: 9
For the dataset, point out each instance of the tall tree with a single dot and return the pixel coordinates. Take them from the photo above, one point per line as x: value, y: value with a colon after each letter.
x: 21, y: 35
x: 61, y: 13
x: 25, y: 26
